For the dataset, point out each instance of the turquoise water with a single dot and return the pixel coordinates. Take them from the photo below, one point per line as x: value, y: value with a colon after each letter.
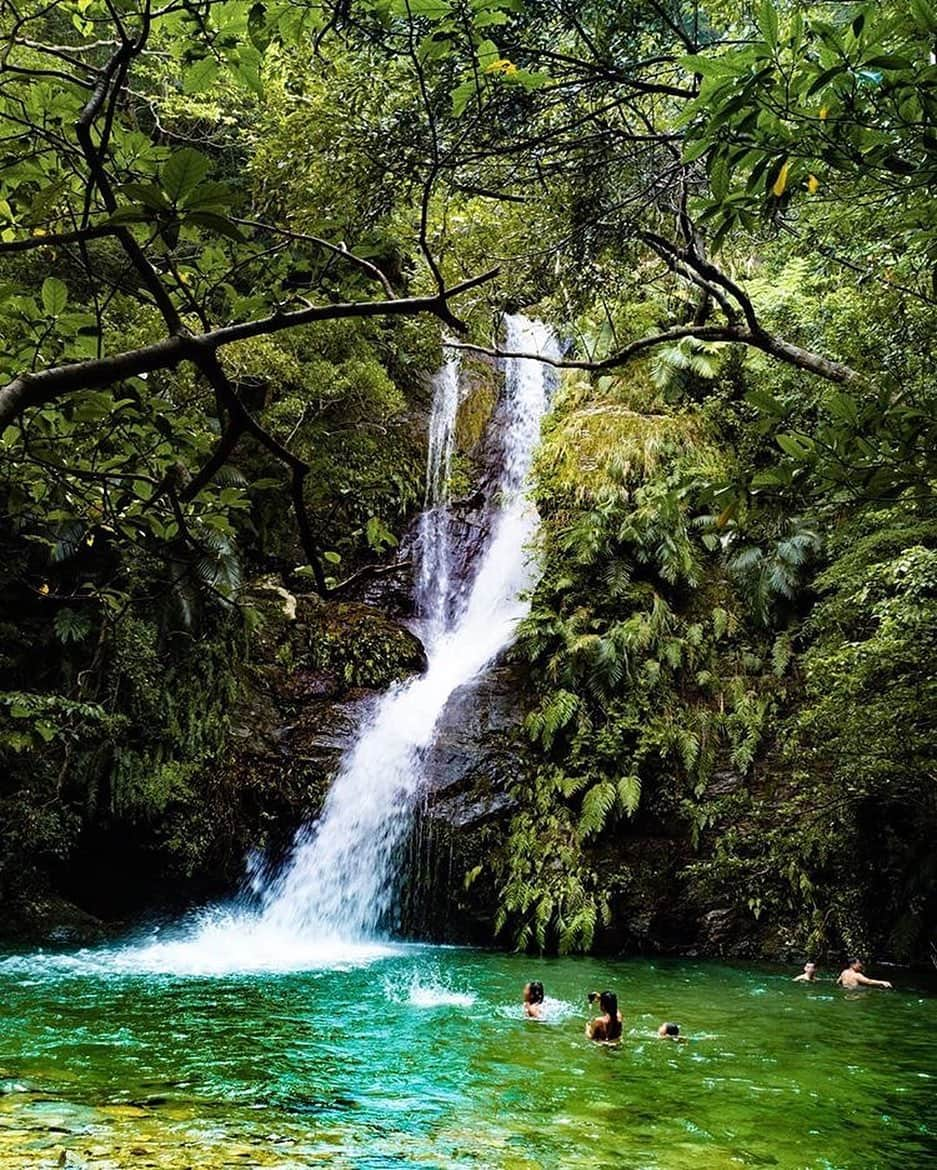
x: 420, y: 1057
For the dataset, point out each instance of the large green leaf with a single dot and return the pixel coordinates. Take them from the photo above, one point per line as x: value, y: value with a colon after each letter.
x: 54, y: 295
x: 183, y: 172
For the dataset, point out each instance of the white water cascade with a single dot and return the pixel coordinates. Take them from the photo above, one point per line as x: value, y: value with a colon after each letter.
x: 340, y: 879
x: 435, y: 552
x: 336, y: 890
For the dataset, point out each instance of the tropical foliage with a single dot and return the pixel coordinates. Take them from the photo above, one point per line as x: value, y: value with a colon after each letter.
x: 231, y: 236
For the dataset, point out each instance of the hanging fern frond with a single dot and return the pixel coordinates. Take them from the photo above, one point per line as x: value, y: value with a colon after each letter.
x: 555, y: 713
x: 629, y: 793
x: 597, y: 804
x: 688, y: 356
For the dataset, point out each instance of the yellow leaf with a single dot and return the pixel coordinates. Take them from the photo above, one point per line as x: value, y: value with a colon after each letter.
x: 781, y: 181
x: 43, y: 589
x: 40, y: 232
x: 813, y: 184
x: 823, y: 113
x: 501, y: 66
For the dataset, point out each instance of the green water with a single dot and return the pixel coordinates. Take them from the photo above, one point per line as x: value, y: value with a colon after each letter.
x: 421, y: 1058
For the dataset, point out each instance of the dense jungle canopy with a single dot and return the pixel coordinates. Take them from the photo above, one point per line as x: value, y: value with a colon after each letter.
x: 233, y: 236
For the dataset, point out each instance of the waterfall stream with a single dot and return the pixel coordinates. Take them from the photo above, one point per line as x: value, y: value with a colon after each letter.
x: 339, y: 881
x: 334, y: 897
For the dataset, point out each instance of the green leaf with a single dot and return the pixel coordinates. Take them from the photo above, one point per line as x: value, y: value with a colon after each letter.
x: 431, y: 9
x: 768, y: 23
x: 462, y: 95
x: 771, y: 477
x: 130, y: 214
x: 378, y: 535
x: 842, y: 406
x: 146, y: 193
x: 71, y: 626
x: 798, y: 447
x: 705, y: 66
x: 888, y: 61
x: 54, y: 295
x: 719, y: 177
x: 596, y: 806
x: 824, y: 78
x: 629, y: 793
x: 765, y: 401
x: 216, y: 223
x: 694, y: 150
x: 200, y: 77
x: 183, y: 172
x: 925, y: 15
x: 246, y: 63
x: 216, y: 197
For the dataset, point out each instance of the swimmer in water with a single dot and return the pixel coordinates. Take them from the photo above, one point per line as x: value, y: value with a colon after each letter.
x: 809, y: 974
x: 668, y: 1031
x: 606, y: 1029
x: 533, y: 1000
x: 852, y: 977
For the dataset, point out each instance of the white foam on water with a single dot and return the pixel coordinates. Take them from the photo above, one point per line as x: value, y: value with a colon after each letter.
x: 216, y: 943
x: 554, y: 1010
x: 427, y: 990
x: 431, y: 996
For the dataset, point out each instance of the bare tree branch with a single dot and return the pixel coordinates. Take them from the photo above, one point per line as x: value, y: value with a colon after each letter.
x: 785, y: 351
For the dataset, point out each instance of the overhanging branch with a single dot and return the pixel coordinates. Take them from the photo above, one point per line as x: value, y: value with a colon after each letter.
x: 48, y: 385
x: 777, y: 347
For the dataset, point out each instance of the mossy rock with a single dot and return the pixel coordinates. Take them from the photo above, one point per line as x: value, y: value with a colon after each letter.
x: 479, y: 398
x: 360, y: 645
x: 320, y: 648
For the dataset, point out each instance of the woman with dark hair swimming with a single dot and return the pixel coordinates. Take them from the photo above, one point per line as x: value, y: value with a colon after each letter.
x: 607, y: 1027
x: 533, y: 1000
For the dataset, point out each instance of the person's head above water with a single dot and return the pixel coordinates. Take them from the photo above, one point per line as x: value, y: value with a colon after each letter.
x: 810, y: 969
x: 608, y: 1002
x: 668, y: 1029
x: 608, y: 1026
x: 533, y: 992
x: 855, y: 964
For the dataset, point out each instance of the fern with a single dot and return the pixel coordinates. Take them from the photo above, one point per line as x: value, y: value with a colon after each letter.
x: 628, y: 793
x: 570, y: 785
x: 671, y: 366
x: 781, y: 653
x: 578, y: 934
x: 597, y: 805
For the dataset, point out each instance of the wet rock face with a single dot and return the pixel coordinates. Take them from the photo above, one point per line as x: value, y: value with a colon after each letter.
x: 315, y: 668
x: 474, y: 756
x: 318, y: 667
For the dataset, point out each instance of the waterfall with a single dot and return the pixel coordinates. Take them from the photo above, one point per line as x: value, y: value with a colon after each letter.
x: 337, y: 889
x: 339, y: 880
x: 433, y: 577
